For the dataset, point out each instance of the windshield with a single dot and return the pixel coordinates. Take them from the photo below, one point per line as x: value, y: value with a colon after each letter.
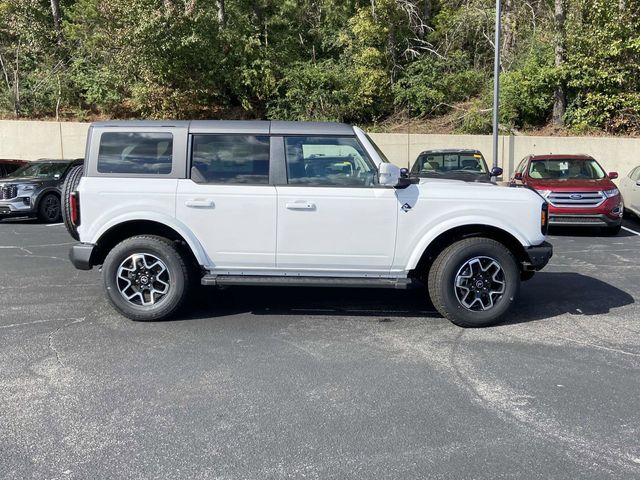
x: 380, y: 153
x: 41, y: 170
x: 565, y: 169
x: 442, y: 163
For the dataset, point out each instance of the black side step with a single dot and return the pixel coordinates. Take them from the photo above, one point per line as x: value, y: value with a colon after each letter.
x: 293, y: 281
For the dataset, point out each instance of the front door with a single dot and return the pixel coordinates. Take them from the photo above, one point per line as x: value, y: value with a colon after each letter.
x: 228, y: 202
x: 333, y: 217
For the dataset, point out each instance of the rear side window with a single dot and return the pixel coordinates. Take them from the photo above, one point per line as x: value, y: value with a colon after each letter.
x: 230, y: 159
x: 135, y: 153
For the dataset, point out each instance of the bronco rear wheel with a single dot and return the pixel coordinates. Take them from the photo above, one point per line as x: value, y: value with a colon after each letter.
x: 146, y: 278
x: 473, y: 282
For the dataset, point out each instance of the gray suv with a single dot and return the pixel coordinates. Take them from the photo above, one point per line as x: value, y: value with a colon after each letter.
x: 34, y: 190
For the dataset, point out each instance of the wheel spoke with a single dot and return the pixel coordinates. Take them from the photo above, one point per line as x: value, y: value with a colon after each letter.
x: 479, y: 283
x: 143, y: 279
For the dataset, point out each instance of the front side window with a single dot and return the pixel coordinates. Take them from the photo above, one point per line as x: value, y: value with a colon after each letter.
x: 328, y: 161
x: 135, y: 153
x: 564, y: 169
x: 230, y: 159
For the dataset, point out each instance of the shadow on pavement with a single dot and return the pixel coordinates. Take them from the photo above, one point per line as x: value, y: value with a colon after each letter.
x: 545, y: 296
x: 310, y: 301
x: 550, y: 294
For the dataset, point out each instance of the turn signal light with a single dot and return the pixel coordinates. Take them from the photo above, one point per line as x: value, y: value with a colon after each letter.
x: 544, y: 218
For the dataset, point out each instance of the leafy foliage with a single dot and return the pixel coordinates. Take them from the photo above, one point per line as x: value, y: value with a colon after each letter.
x: 344, y: 60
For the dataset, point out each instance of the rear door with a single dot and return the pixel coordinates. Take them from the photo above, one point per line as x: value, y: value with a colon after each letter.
x: 332, y: 214
x: 228, y: 202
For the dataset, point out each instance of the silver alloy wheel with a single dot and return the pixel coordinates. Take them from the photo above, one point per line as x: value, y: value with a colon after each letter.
x: 143, y: 279
x: 479, y: 283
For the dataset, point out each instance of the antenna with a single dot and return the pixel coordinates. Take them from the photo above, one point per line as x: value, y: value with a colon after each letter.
x: 409, y: 144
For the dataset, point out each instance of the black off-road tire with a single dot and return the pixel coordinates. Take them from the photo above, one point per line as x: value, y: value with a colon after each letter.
x: 70, y: 185
x: 49, y: 208
x: 445, y: 268
x: 180, y: 277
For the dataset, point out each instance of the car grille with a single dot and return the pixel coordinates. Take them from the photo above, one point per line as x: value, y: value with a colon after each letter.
x: 567, y: 219
x: 8, y: 192
x: 576, y: 199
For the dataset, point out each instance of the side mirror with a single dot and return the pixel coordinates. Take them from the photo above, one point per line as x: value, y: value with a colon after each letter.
x: 393, y: 176
x: 496, y: 172
x: 613, y: 175
x: 388, y: 174
x: 517, y: 176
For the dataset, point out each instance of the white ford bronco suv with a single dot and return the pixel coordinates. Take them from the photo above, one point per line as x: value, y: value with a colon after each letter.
x: 165, y: 205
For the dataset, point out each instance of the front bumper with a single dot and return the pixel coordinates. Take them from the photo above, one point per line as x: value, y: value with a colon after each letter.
x: 80, y: 255
x: 538, y: 256
x: 577, y: 220
x: 16, y: 207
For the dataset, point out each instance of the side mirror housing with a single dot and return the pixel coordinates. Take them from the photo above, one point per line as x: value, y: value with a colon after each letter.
x: 496, y: 172
x: 388, y: 174
x: 392, y: 176
x: 613, y: 175
x: 517, y: 176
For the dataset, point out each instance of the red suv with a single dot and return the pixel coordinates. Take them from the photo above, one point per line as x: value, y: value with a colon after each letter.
x: 578, y: 190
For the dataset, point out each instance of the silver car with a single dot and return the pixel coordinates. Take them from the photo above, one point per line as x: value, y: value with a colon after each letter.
x: 630, y: 189
x: 33, y: 190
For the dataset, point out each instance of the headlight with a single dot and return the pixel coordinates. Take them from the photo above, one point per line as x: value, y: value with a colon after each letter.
x: 26, y: 188
x: 611, y: 193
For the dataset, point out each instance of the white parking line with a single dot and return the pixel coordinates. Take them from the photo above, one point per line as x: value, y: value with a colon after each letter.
x: 629, y: 230
x: 57, y: 224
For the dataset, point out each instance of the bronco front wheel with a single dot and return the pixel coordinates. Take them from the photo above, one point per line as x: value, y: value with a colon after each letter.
x: 473, y: 282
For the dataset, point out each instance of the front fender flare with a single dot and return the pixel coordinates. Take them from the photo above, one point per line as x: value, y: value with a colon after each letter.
x: 427, y: 238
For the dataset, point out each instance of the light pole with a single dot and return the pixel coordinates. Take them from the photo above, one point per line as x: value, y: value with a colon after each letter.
x: 496, y: 85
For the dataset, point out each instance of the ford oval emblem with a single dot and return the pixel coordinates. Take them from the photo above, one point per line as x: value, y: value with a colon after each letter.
x: 575, y: 196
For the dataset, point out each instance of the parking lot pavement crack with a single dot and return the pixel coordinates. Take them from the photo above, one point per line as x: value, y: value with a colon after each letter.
x: 601, y: 347
x: 54, y: 332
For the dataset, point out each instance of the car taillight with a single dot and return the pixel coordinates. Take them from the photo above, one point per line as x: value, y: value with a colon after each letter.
x: 74, y: 203
x: 544, y: 218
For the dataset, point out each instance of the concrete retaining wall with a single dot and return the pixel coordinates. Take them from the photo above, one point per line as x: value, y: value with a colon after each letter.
x: 33, y: 139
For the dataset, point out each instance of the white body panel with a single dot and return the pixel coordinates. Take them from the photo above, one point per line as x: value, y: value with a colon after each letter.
x: 236, y: 224
x: 440, y: 205
x: 108, y: 202
x: 336, y: 229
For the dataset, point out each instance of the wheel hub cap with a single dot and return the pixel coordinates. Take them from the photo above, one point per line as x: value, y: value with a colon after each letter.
x: 143, y: 279
x: 479, y: 283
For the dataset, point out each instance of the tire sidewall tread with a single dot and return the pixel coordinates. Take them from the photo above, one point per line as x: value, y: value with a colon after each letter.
x: 70, y: 185
x: 446, y: 266
x: 173, y: 258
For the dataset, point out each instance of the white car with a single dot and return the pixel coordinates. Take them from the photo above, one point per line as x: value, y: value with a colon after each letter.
x: 630, y: 189
x: 163, y: 205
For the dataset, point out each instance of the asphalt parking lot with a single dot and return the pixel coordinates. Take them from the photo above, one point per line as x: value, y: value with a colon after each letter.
x: 294, y: 383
